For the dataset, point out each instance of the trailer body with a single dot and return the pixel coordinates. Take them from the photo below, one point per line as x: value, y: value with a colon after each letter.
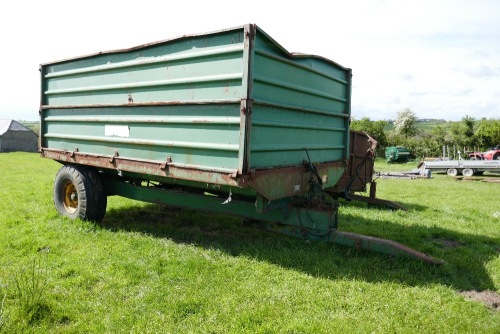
x: 215, y: 108
x: 227, y: 121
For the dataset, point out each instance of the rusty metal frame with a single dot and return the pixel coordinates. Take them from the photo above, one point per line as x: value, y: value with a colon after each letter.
x: 288, y: 181
x: 356, y: 158
x: 156, y: 168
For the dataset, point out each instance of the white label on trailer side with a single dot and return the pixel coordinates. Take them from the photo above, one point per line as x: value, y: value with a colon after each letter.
x: 117, y: 131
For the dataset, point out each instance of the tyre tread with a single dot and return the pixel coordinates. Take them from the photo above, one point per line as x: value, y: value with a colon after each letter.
x: 91, y: 196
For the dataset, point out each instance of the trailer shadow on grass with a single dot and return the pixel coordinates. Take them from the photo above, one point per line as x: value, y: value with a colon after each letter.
x: 465, y: 255
x: 394, y: 205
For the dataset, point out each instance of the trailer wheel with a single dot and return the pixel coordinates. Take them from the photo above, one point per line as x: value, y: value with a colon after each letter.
x: 452, y: 172
x: 79, y: 193
x: 468, y: 172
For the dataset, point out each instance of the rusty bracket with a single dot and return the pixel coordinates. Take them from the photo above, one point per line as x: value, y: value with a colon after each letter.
x: 72, y: 154
x: 112, y: 159
x: 247, y: 109
x: 164, y: 164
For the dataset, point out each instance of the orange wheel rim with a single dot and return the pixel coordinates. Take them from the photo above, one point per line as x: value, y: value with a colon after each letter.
x: 70, y: 197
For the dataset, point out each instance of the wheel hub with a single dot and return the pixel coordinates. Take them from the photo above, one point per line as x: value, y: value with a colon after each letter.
x: 70, y: 197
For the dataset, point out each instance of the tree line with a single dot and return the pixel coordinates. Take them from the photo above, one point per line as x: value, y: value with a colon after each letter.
x: 469, y: 133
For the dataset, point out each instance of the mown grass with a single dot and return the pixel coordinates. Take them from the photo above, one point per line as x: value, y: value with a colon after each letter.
x: 156, y: 269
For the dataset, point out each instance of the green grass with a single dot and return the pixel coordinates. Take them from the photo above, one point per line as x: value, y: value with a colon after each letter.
x: 155, y: 269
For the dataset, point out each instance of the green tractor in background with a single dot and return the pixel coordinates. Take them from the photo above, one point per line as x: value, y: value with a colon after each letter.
x: 397, y: 154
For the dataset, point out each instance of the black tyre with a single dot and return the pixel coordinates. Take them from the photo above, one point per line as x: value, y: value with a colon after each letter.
x: 79, y: 193
x: 452, y: 172
x: 468, y: 172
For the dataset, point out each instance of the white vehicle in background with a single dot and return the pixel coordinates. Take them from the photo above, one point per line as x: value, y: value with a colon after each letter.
x: 461, y: 166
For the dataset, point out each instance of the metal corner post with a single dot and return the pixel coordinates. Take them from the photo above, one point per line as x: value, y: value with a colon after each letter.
x: 246, y: 100
x: 347, y: 119
x: 43, y: 86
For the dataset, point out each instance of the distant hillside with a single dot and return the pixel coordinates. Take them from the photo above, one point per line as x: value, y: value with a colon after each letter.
x: 424, y: 124
x: 35, y: 126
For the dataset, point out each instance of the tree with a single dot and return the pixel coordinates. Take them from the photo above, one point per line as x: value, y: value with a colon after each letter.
x: 406, y: 123
x: 488, y: 133
x: 468, y: 130
x: 463, y: 133
x: 439, y: 134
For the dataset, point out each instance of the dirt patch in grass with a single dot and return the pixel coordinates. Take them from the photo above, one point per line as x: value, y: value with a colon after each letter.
x: 489, y: 298
x: 449, y: 243
x: 491, y: 180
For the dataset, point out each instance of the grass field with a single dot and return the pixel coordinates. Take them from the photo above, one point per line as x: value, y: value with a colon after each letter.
x: 156, y: 269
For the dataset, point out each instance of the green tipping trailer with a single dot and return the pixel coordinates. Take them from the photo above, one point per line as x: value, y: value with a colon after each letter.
x: 225, y: 122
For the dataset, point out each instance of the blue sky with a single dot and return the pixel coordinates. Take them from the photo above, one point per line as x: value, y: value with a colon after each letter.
x: 439, y: 58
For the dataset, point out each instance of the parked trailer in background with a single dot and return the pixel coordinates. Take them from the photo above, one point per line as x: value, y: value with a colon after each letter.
x: 464, y: 167
x: 225, y: 122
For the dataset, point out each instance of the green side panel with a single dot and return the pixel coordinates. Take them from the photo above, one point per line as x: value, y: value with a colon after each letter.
x: 300, y: 81
x: 191, y: 69
x: 280, y: 137
x: 199, y: 136
x: 300, y: 102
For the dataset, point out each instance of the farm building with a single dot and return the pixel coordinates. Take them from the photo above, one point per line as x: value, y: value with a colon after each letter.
x: 16, y: 137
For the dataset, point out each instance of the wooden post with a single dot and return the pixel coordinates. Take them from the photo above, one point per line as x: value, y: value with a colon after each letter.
x: 373, y: 189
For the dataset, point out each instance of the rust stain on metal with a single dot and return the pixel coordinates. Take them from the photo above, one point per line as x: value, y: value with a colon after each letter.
x: 139, y: 104
x: 139, y: 166
x: 284, y: 182
x: 164, y: 165
x: 112, y: 159
x: 72, y: 154
x: 359, y: 169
